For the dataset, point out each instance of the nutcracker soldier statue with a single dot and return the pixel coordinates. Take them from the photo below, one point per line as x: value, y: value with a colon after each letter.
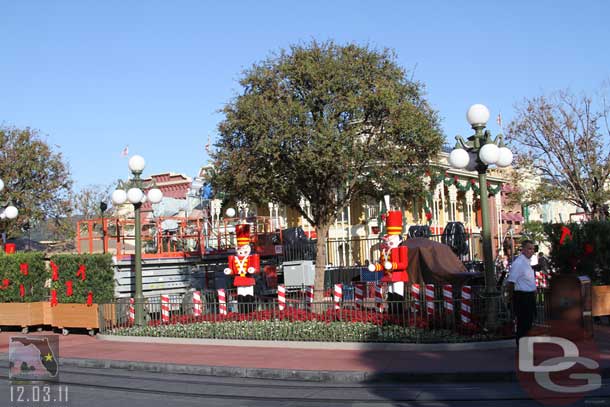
x: 393, y: 261
x: 243, y: 266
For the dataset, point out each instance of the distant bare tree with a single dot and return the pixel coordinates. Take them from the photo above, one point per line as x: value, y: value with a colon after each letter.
x: 565, y: 138
x: 87, y: 200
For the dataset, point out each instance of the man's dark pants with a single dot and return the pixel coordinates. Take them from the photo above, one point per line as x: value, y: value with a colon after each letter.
x: 525, y: 311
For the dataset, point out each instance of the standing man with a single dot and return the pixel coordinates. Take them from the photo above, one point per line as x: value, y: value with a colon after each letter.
x: 394, y: 260
x: 522, y: 289
x: 243, y: 266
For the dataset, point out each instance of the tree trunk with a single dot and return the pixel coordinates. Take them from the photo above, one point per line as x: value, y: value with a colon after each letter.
x: 321, y: 232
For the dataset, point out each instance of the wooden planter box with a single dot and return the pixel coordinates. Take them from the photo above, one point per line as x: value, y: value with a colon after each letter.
x: 24, y: 314
x: 75, y: 316
x: 66, y: 316
x: 601, y: 300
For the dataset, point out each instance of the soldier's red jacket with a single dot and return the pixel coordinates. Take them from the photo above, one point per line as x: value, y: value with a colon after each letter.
x: 399, y: 257
x: 239, y: 269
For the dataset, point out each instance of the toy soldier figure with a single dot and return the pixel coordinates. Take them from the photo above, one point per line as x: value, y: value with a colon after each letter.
x: 243, y: 266
x: 394, y: 260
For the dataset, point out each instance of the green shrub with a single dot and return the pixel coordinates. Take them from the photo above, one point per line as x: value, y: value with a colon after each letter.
x: 99, y: 277
x: 586, y: 252
x: 33, y: 282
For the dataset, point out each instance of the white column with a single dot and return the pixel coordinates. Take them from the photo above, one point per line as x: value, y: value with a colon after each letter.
x: 469, y: 203
x: 215, y: 211
x: 453, y: 192
x: 243, y: 209
x: 438, y: 193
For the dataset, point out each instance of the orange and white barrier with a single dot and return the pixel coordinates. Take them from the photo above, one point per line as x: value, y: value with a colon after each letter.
x: 415, y: 297
x: 359, y: 295
x: 466, y: 310
x: 430, y: 299
x: 448, y: 298
x: 338, y: 296
x: 197, y: 304
x: 164, y: 308
x: 281, y: 297
x: 222, y: 302
x: 379, y: 297
x: 131, y: 312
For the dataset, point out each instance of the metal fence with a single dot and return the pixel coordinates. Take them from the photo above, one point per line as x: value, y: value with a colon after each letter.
x: 429, y: 310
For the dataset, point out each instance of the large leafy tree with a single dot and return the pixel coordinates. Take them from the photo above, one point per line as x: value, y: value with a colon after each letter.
x: 37, y: 181
x: 327, y: 123
x: 565, y: 139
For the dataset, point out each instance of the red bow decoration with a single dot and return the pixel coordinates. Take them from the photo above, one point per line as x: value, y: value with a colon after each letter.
x: 89, y: 299
x: 53, y: 298
x: 55, y: 269
x: 565, y: 233
x: 5, y: 283
x: 588, y: 249
x: 81, y: 272
x: 69, y: 288
x: 429, y: 216
x: 21, y: 290
x: 24, y: 268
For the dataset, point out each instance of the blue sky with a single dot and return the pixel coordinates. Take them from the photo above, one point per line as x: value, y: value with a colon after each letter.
x: 95, y: 76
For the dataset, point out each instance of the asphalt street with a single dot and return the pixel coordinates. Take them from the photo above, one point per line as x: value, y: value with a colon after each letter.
x: 117, y: 387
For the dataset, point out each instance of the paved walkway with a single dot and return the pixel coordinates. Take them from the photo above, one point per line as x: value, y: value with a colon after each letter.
x: 318, y: 361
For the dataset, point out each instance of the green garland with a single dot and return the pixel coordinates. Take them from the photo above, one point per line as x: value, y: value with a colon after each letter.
x: 439, y: 176
x: 490, y: 190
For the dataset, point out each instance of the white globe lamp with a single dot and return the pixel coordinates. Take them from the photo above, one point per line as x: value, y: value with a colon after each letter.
x: 489, y: 153
x: 230, y: 212
x: 477, y: 115
x: 119, y: 197
x: 134, y: 195
x: 137, y: 164
x: 458, y: 158
x: 11, y: 212
x: 505, y: 157
x: 155, y: 195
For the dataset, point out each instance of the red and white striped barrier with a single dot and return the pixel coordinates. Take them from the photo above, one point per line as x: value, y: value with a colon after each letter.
x: 281, y: 297
x: 359, y: 295
x: 338, y: 296
x: 541, y: 281
x: 222, y: 302
x: 448, y: 298
x: 430, y: 299
x: 415, y: 297
x: 197, y: 304
x: 309, y: 296
x: 466, y: 310
x: 131, y: 312
x: 379, y: 297
x: 164, y: 308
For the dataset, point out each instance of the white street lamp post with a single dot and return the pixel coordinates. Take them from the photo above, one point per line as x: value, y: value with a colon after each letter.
x: 478, y: 152
x: 136, y: 197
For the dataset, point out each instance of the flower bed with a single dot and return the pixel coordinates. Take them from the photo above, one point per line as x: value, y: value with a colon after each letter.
x: 299, y: 331
x: 302, y: 325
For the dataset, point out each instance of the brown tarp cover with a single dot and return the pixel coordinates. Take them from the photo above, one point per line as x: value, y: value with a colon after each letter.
x: 432, y: 262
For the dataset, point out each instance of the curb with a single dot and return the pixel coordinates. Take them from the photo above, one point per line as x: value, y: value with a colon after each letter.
x: 327, y: 376
x: 362, y: 346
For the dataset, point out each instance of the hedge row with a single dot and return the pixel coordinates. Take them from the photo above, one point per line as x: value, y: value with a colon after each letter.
x: 29, y: 274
